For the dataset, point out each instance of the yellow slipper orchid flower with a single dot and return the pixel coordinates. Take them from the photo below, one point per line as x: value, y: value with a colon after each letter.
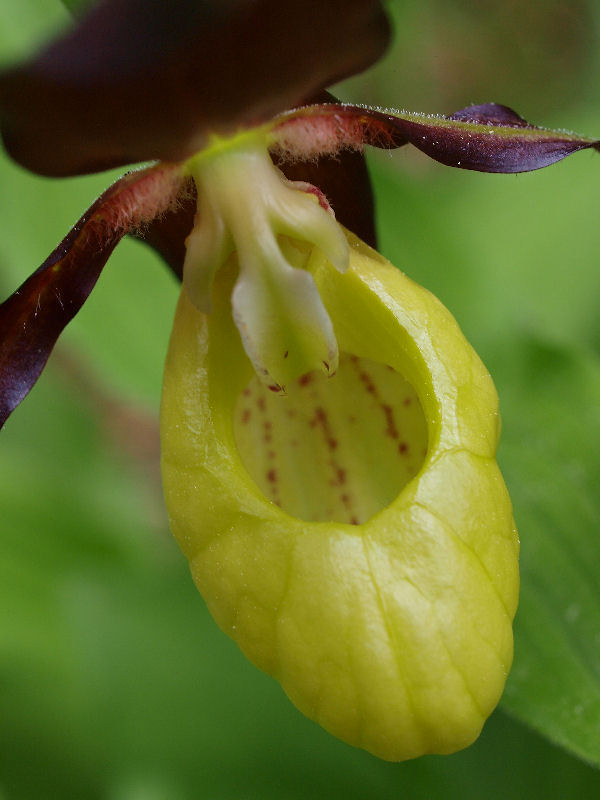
x: 353, y: 533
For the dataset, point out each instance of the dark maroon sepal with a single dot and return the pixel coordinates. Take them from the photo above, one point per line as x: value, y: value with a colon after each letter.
x: 486, y: 138
x: 139, y: 80
x: 33, y: 317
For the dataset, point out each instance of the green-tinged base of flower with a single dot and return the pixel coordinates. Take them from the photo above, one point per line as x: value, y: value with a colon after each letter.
x: 395, y: 633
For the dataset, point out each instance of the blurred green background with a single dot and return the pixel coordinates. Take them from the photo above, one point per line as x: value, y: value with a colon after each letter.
x: 114, y: 681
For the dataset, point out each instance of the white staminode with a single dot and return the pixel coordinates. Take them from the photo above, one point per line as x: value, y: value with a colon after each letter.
x: 278, y: 230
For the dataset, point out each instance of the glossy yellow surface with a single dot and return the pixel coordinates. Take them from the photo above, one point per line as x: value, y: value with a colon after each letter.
x: 393, y: 633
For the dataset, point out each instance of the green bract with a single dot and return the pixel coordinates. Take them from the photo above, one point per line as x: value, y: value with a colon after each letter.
x: 354, y: 535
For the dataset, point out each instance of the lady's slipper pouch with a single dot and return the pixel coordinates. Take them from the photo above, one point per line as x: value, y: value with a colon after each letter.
x: 329, y: 442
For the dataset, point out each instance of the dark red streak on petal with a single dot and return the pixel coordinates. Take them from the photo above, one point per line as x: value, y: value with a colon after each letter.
x: 32, y: 318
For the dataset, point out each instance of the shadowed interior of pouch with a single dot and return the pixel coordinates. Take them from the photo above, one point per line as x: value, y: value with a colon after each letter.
x: 333, y: 449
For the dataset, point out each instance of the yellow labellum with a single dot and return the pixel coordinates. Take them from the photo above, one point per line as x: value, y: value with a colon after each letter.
x: 354, y: 536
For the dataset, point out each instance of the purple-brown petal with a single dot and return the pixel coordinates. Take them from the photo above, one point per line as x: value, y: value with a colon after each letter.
x: 486, y: 138
x: 33, y: 317
x: 139, y: 80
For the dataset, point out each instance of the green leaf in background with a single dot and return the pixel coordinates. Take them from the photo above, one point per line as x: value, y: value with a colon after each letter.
x: 551, y: 399
x: 26, y: 24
